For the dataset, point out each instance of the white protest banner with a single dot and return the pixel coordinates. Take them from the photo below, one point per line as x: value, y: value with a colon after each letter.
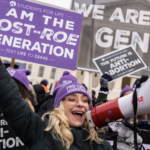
x: 109, y: 25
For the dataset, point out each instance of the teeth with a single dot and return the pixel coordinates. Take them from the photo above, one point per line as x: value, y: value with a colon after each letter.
x: 78, y: 112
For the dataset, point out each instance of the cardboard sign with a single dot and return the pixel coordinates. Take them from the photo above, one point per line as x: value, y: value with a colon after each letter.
x: 39, y: 34
x: 120, y: 63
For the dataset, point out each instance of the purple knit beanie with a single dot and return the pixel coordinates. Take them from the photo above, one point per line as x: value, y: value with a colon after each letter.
x: 68, y: 89
x: 20, y: 75
x: 127, y: 88
x: 66, y: 78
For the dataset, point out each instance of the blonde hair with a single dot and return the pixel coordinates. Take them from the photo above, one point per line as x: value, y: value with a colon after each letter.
x: 30, y: 104
x: 59, y: 125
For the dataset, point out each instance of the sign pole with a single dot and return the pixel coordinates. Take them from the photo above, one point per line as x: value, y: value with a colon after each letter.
x: 91, y: 55
x: 12, y: 63
x: 90, y: 84
x: 53, y: 86
x: 72, y: 4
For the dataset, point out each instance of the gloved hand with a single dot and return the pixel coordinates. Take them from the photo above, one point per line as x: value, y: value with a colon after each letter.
x: 125, y: 134
x: 105, y: 78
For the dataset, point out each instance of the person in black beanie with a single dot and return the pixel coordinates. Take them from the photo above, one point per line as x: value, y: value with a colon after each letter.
x: 41, y: 96
x: 44, y: 84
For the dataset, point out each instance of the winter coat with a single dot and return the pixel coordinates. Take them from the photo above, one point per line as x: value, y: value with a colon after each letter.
x: 29, y: 126
x: 101, y: 98
x: 30, y: 104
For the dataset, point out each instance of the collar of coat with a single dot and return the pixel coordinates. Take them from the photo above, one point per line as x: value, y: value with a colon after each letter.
x: 79, y: 133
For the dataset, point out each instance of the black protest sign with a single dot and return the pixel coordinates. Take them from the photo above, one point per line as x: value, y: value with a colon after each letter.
x: 120, y: 63
x: 8, y: 139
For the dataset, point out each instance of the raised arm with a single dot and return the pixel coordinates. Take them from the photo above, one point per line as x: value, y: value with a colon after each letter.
x: 26, y: 124
x: 103, y: 92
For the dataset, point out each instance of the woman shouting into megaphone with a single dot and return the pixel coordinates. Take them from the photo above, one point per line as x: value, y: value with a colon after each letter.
x: 67, y: 127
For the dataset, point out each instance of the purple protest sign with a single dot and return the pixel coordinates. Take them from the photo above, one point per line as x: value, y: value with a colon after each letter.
x: 39, y: 34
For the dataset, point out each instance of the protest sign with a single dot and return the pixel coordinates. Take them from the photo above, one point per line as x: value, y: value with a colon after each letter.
x: 8, y: 139
x: 120, y: 63
x: 110, y: 25
x: 39, y: 34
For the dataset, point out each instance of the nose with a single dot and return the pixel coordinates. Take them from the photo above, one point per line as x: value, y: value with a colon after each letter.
x: 79, y: 103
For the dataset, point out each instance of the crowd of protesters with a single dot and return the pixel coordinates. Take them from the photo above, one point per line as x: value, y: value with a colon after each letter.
x: 47, y: 122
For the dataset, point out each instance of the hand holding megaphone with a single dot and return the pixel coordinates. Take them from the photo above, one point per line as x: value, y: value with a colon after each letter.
x: 124, y: 132
x: 125, y: 136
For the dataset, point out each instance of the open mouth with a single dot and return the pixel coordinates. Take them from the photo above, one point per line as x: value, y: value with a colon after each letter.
x: 78, y: 115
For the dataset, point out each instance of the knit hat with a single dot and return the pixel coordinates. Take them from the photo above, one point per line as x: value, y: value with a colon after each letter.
x: 66, y: 78
x: 127, y: 88
x: 69, y: 89
x: 44, y: 82
x: 20, y: 75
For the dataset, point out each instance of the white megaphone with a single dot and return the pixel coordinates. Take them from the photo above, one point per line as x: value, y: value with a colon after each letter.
x: 101, y: 115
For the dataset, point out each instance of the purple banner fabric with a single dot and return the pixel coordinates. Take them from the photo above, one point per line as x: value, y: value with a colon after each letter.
x: 39, y: 34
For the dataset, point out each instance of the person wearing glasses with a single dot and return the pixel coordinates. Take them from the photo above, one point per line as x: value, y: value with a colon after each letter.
x: 67, y: 127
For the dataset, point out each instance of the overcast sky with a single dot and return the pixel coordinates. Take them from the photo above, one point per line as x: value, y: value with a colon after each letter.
x: 68, y: 3
x: 60, y: 3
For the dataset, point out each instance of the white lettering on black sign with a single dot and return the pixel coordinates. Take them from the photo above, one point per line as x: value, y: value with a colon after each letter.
x: 119, y: 63
x: 8, y: 139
